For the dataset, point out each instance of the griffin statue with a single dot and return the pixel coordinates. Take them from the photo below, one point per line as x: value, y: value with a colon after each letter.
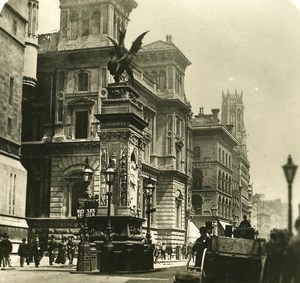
x: 121, y: 58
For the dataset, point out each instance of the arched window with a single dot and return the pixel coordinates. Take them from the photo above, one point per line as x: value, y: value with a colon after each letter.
x: 229, y: 162
x: 226, y: 159
x: 223, y: 157
x: 197, y: 179
x: 95, y: 23
x: 77, y: 191
x: 197, y: 203
x: 229, y: 185
x: 196, y: 152
x: 226, y: 183
x: 220, y: 156
x: 219, y: 180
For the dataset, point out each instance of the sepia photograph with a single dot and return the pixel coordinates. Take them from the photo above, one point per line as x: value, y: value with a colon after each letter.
x: 150, y: 141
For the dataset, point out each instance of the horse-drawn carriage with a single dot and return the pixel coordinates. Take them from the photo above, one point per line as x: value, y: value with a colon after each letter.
x: 234, y: 260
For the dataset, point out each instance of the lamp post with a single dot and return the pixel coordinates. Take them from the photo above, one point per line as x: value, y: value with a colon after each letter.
x: 148, y: 191
x: 214, y: 214
x: 289, y: 171
x: 110, y: 177
x: 83, y: 264
x: 107, y: 262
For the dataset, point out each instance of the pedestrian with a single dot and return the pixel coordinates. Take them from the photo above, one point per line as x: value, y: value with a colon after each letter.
x: 291, y: 270
x: 62, y: 250
x: 29, y: 257
x: 6, y: 250
x: 38, y: 251
x: 157, y: 252
x: 52, y: 247
x: 163, y: 251
x: 1, y: 252
x: 23, y: 252
x: 169, y: 251
x: 273, y: 263
x: 190, y: 251
x: 71, y: 247
x: 200, y: 245
x: 184, y: 251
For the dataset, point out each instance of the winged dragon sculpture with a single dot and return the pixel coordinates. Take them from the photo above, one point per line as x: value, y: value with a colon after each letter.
x: 121, y: 58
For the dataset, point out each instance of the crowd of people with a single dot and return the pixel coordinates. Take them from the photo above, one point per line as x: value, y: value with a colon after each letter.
x: 33, y: 250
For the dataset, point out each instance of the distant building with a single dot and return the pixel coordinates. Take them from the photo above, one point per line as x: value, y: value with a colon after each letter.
x: 18, y: 37
x: 268, y: 214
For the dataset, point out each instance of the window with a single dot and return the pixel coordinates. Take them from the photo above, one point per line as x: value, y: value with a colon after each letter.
x: 196, y: 152
x: 197, y: 203
x: 220, y: 154
x: 81, y: 128
x: 11, y: 90
x: 15, y: 27
x: 9, y: 126
x: 83, y: 81
x: 74, y: 26
x: 162, y: 81
x: 95, y: 23
x: 178, y: 124
x: 64, y: 23
x: 197, y: 179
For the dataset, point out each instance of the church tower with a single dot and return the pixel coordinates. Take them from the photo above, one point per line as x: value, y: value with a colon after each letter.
x: 233, y: 113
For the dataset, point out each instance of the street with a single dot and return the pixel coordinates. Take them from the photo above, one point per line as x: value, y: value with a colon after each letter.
x: 163, y: 273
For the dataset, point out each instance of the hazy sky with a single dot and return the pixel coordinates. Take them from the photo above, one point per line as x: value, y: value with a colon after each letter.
x: 249, y: 45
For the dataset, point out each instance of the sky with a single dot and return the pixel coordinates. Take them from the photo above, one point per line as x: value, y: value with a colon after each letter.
x: 245, y: 45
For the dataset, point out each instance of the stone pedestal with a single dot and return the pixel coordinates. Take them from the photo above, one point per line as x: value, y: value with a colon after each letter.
x: 84, y: 257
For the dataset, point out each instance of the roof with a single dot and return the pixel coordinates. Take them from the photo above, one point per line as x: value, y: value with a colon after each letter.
x: 160, y: 45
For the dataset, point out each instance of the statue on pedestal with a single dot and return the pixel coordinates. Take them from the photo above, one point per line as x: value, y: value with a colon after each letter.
x: 121, y: 58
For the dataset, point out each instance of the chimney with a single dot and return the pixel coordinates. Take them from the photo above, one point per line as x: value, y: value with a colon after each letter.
x: 169, y: 38
x: 215, y: 113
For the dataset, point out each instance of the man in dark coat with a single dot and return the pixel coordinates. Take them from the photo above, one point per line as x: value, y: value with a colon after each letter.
x: 1, y: 252
x: 38, y: 251
x: 23, y: 252
x: 6, y: 246
x: 200, y: 245
x: 52, y: 247
x: 245, y: 223
x: 71, y: 246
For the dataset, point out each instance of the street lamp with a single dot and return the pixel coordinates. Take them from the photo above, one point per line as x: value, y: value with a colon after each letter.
x: 214, y: 214
x: 290, y: 172
x: 148, y: 191
x: 83, y: 264
x: 110, y: 174
x: 107, y: 262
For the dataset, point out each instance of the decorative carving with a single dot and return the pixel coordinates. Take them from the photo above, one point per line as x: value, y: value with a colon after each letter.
x: 179, y: 145
x: 123, y: 177
x: 133, y: 179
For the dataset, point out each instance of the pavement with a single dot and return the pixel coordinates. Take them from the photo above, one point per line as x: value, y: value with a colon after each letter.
x: 163, y: 272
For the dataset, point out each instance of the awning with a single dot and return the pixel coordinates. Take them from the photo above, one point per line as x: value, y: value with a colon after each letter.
x: 192, y: 232
x: 223, y: 224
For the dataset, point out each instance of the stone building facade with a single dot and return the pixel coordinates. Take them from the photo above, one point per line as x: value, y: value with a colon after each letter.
x: 17, y: 71
x: 233, y: 113
x: 61, y: 129
x: 214, y: 172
